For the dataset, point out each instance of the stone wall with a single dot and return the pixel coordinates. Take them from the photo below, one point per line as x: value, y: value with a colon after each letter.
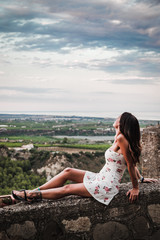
x: 76, y: 218
x: 151, y: 152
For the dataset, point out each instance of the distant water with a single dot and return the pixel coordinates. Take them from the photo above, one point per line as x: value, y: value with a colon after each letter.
x: 139, y: 115
x: 91, y: 138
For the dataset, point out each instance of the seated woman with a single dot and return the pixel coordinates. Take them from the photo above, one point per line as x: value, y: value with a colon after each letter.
x: 102, y: 186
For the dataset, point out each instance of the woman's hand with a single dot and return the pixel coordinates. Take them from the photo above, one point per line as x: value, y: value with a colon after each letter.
x: 149, y: 180
x: 133, y: 194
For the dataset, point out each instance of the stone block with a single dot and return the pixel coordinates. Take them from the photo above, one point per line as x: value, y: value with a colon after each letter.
x: 110, y: 231
x: 150, y: 152
x: 26, y: 230
x: 52, y: 230
x: 82, y: 224
x: 154, y: 212
x: 156, y: 236
x: 140, y: 227
x: 3, y: 236
x: 123, y: 211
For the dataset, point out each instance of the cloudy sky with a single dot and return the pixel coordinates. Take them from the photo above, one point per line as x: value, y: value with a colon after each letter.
x: 74, y: 55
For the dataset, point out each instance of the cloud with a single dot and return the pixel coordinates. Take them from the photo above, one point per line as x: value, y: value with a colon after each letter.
x: 102, y: 93
x: 131, y: 80
x: 27, y: 94
x: 150, y: 2
x: 31, y: 90
x: 81, y: 54
x: 90, y: 23
x: 136, y: 81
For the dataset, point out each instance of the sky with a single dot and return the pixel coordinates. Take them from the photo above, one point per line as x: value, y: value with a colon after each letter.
x: 74, y: 55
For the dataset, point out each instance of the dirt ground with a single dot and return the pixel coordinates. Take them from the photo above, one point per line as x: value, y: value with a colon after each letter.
x: 62, y: 149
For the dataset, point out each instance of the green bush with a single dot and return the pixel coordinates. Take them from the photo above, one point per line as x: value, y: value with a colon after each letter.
x: 98, y: 154
x: 76, y: 155
x: 102, y: 161
x: 67, y: 155
x: 17, y: 175
x: 38, y: 157
x: 89, y: 154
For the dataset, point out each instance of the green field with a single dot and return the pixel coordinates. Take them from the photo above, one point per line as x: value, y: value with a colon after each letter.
x: 101, y: 147
x: 32, y: 138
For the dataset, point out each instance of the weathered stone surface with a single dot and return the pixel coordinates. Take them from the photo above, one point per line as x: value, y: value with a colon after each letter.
x: 61, y: 219
x: 82, y: 224
x: 156, y: 236
x: 25, y: 231
x: 3, y: 236
x: 52, y: 231
x: 154, y: 211
x: 151, y: 152
x: 110, y: 231
x: 141, y: 227
x: 123, y: 211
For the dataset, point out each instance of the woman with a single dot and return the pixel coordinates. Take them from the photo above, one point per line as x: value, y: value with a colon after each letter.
x: 102, y: 186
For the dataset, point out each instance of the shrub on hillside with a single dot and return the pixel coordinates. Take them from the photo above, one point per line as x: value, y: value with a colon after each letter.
x: 76, y: 155
x: 89, y: 154
x: 98, y: 154
x: 17, y: 175
x: 38, y: 157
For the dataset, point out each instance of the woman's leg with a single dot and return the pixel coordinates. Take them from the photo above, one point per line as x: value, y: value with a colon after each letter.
x: 70, y: 189
x: 72, y: 174
x: 56, y: 193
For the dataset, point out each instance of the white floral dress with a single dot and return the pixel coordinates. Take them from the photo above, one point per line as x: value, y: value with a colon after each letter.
x: 103, y: 186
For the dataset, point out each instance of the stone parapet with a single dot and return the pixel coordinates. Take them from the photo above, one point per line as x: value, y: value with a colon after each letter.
x: 76, y: 218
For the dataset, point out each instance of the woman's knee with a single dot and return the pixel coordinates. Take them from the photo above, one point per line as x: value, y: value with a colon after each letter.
x: 67, y: 189
x: 67, y: 170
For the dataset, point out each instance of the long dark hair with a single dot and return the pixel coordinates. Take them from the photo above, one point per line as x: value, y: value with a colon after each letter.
x: 129, y: 127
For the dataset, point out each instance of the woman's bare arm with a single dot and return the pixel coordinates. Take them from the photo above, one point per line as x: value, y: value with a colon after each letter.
x: 138, y: 173
x: 144, y: 180
x: 123, y: 144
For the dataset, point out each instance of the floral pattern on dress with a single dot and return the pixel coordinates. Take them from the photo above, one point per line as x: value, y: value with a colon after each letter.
x: 103, y: 186
x: 119, y: 180
x: 119, y: 162
x: 110, y: 160
x: 117, y: 187
x: 105, y: 199
x: 96, y: 191
x: 119, y: 170
x: 106, y: 189
x: 108, y: 169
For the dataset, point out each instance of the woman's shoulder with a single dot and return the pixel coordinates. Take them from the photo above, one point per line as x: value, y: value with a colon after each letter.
x: 122, y: 140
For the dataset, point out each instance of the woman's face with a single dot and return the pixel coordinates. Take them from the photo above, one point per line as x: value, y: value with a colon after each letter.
x: 116, y: 125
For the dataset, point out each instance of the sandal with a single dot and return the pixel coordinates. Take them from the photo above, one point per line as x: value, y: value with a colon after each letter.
x: 36, y: 196
x: 19, y: 197
x: 6, y: 200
